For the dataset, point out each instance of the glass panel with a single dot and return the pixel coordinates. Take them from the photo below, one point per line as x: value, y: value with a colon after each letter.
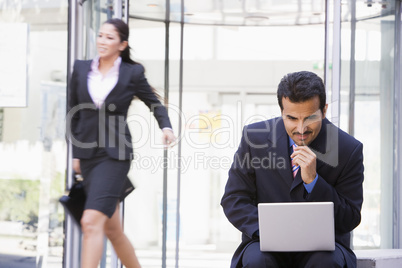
x: 227, y: 12
x: 373, y: 124
x: 218, y: 96
x: 94, y: 14
x: 143, y: 217
x: 155, y: 9
x: 366, y: 9
x: 218, y: 100
x: 32, y: 143
x: 229, y: 82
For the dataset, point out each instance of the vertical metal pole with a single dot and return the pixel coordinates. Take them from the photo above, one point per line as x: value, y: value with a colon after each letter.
x: 333, y: 60
x: 352, y: 89
x: 179, y: 131
x: 72, y: 244
x: 336, y: 64
x: 104, y: 257
x: 109, y: 9
x: 166, y: 94
x: 117, y: 9
x: 126, y: 11
x: 117, y: 13
x: 352, y: 76
x: 327, y: 58
x: 397, y: 185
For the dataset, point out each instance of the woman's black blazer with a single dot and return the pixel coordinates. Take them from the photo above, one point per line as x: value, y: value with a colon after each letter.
x: 89, y: 127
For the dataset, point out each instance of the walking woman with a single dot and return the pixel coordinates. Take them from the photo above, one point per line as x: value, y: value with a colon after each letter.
x: 101, y: 91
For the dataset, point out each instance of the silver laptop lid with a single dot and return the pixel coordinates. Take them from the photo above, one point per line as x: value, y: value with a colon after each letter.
x: 299, y: 226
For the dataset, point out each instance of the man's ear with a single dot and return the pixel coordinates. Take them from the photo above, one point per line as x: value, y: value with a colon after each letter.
x: 324, y: 112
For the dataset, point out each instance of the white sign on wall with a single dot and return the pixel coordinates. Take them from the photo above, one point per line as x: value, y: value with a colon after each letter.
x: 13, y: 64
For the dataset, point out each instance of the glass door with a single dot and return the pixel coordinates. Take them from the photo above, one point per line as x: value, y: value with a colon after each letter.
x: 228, y: 81
x: 33, y: 52
x: 367, y: 90
x: 86, y: 17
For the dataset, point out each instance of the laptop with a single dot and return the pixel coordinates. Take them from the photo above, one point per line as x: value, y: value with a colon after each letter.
x: 296, y: 226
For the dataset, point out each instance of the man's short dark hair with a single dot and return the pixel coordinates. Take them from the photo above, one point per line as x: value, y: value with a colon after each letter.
x: 300, y: 87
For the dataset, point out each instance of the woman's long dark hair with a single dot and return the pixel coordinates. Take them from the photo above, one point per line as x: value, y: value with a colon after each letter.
x: 124, y: 31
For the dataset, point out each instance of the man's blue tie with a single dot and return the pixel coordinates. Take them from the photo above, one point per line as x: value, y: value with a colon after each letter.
x: 295, y: 168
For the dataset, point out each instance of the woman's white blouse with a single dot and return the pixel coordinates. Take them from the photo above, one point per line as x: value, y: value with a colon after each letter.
x: 99, y: 85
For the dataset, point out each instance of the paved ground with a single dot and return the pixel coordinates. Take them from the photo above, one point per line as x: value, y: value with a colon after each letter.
x: 148, y: 259
x: 15, y: 261
x: 17, y: 254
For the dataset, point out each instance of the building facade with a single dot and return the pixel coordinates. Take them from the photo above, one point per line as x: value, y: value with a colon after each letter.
x: 217, y: 64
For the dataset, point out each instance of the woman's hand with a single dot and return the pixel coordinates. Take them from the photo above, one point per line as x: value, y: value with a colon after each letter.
x: 76, y: 166
x: 168, y: 137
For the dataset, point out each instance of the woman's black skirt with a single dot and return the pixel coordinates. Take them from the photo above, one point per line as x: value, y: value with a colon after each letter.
x: 106, y: 182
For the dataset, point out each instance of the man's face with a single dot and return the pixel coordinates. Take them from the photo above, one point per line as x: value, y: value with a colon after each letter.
x: 303, y: 120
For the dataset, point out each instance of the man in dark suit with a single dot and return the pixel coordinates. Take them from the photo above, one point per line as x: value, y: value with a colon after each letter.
x: 327, y: 165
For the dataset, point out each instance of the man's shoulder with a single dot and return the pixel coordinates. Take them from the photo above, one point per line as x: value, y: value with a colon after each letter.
x: 269, y: 124
x: 263, y: 131
x: 346, y: 142
x: 343, y: 135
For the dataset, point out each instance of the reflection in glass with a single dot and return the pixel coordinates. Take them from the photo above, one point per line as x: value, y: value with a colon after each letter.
x: 32, y: 145
x: 229, y: 81
x: 234, y: 13
x: 373, y: 114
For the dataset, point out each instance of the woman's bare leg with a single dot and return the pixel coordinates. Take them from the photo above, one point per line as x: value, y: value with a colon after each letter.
x: 93, y: 223
x: 124, y: 249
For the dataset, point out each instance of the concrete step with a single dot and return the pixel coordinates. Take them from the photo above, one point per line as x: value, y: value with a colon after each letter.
x: 379, y: 258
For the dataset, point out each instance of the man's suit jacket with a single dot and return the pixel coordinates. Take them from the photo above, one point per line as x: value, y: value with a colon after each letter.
x: 89, y: 127
x: 261, y: 173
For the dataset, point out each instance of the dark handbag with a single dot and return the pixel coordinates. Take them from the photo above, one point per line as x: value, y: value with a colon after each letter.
x: 74, y: 202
